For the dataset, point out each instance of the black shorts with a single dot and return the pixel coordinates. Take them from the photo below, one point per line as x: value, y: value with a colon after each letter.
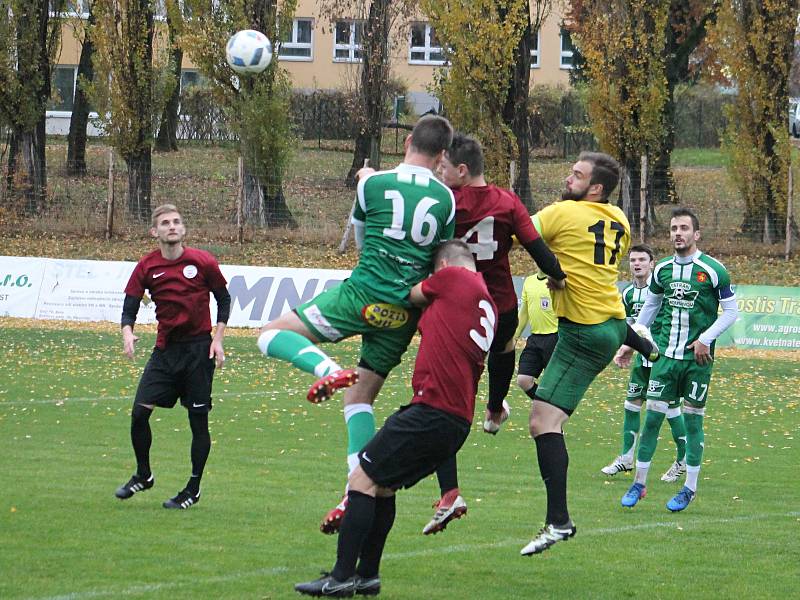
x: 538, y: 350
x: 411, y: 445
x: 182, y: 370
x: 506, y: 327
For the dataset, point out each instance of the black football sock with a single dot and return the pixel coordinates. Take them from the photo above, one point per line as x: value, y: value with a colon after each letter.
x: 201, y: 446
x: 553, y: 463
x: 447, y: 474
x: 531, y: 392
x: 637, y: 342
x: 501, y: 370
x: 141, y: 439
x: 355, y: 528
x: 372, y: 550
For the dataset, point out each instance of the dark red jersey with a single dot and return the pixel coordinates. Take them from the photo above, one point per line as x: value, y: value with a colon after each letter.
x: 180, y: 288
x: 457, y: 329
x: 486, y: 218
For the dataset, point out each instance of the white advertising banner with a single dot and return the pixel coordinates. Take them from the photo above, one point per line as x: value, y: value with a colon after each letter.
x: 87, y: 290
x: 20, y: 283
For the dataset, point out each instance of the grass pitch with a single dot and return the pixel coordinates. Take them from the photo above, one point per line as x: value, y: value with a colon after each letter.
x: 277, y: 465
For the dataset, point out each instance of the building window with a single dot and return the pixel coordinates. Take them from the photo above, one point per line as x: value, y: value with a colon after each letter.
x: 297, y: 45
x: 63, y: 90
x: 425, y: 48
x: 189, y: 79
x: 72, y: 8
x: 535, y: 61
x: 567, y: 49
x: 347, y: 41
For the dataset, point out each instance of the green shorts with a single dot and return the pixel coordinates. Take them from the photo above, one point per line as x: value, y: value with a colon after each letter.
x: 581, y: 353
x: 671, y: 380
x: 345, y: 311
x: 637, y: 384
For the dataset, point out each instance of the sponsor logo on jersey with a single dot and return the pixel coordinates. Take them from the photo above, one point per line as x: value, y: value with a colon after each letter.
x: 383, y: 315
x: 655, y: 388
x: 635, y: 389
x: 683, y: 296
x: 636, y: 308
x: 190, y: 271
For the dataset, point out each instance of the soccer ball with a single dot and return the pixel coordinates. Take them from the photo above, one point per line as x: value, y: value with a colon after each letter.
x: 248, y: 51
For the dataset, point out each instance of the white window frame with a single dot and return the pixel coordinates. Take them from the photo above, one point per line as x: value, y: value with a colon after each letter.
x: 536, y: 53
x: 565, y: 54
x: 351, y: 46
x: 300, y: 45
x: 427, y: 49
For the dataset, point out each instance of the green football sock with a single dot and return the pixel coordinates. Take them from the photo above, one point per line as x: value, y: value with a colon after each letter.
x: 296, y: 349
x: 630, y: 427
x: 678, y: 428
x: 360, y: 429
x: 695, y: 438
x: 649, y: 439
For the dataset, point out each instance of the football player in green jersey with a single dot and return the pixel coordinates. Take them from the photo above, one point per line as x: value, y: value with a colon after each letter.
x: 641, y: 260
x: 401, y: 217
x: 685, y: 293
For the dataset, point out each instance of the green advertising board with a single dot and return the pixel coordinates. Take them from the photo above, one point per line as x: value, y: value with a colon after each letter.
x: 769, y: 318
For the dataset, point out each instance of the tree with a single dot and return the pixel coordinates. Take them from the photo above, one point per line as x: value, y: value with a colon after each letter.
x: 481, y: 39
x: 28, y: 41
x: 379, y: 18
x: 79, y: 119
x: 755, y: 42
x: 516, y: 109
x: 257, y: 105
x: 635, y: 53
x: 167, y: 138
x: 621, y: 42
x: 123, y: 89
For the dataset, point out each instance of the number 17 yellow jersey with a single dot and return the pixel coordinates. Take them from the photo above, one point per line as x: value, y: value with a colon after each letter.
x: 590, y: 240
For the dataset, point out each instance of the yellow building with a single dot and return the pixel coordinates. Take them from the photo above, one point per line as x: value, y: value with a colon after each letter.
x: 323, y: 55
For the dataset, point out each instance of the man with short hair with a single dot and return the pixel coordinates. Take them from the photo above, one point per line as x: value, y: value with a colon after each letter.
x: 686, y: 292
x: 642, y: 260
x: 179, y: 279
x: 400, y: 218
x: 457, y: 329
x: 488, y: 218
x: 589, y: 236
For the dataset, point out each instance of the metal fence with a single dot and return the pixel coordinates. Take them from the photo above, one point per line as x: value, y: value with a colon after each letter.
x: 204, y: 182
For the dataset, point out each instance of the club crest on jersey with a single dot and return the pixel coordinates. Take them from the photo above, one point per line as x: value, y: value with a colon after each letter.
x: 654, y: 388
x: 383, y: 315
x: 544, y: 303
x: 683, y: 296
x: 702, y: 277
x: 190, y: 271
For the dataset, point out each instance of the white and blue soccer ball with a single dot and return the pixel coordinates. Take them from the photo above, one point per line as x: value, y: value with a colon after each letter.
x: 248, y: 52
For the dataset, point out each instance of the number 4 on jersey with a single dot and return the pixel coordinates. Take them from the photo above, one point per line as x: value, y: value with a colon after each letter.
x: 485, y: 245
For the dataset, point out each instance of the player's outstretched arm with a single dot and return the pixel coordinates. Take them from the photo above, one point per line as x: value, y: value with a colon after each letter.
x: 545, y: 259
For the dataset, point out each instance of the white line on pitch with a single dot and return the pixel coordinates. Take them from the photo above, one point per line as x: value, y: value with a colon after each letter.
x: 198, y: 581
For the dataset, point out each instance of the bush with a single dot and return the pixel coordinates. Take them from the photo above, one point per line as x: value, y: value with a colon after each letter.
x: 558, y: 118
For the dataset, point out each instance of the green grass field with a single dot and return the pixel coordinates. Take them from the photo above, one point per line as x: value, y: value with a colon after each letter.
x: 277, y: 465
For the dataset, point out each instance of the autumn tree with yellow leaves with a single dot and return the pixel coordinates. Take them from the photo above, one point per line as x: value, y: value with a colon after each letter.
x: 755, y: 42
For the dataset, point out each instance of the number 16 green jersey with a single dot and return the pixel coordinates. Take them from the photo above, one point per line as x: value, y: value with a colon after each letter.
x: 406, y: 213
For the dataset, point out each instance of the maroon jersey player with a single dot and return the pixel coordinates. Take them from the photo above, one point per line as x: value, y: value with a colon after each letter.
x: 182, y: 364
x: 457, y: 330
